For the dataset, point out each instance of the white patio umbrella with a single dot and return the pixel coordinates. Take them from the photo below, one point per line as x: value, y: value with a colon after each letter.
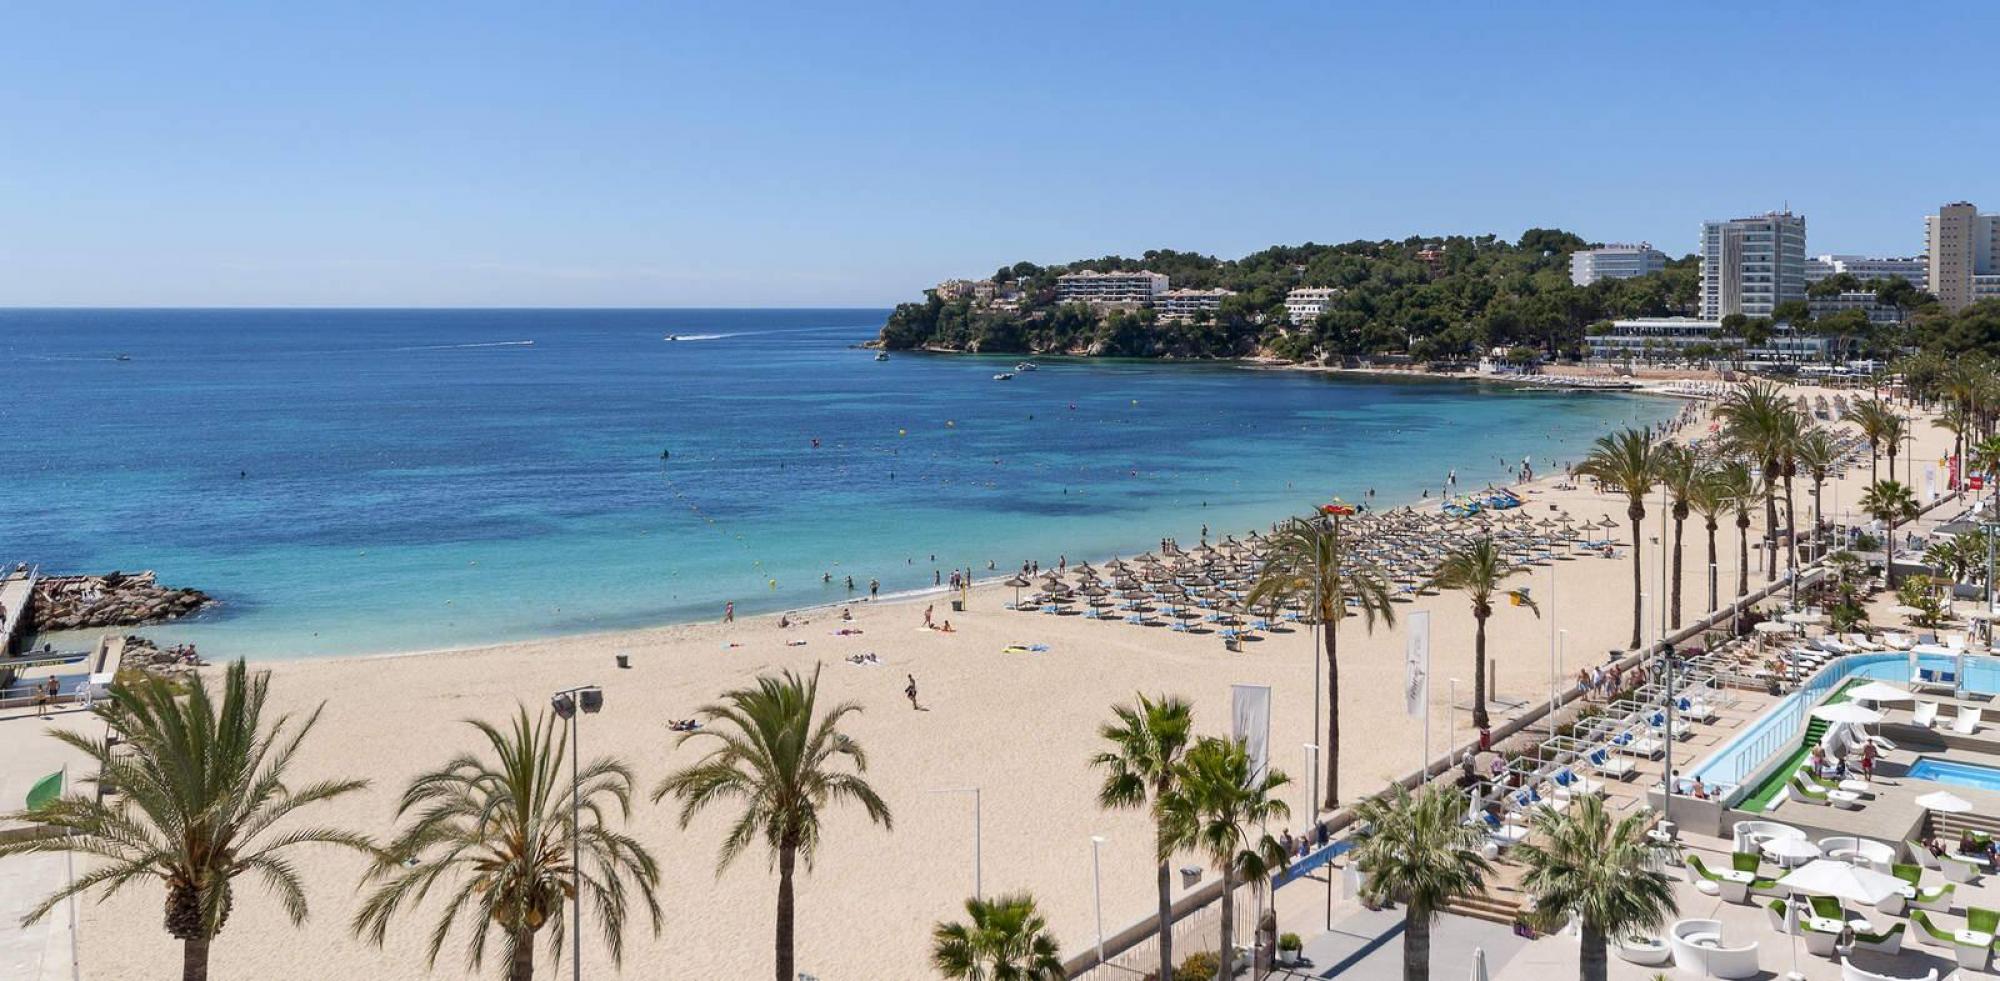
x: 1877, y: 691
x: 1854, y: 883
x: 1847, y: 712
x: 1945, y: 801
x: 1478, y: 964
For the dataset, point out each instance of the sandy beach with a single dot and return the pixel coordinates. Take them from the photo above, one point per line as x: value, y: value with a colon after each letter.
x: 1019, y: 726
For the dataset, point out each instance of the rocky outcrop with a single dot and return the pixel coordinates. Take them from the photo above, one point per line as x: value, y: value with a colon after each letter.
x: 144, y: 655
x: 110, y: 600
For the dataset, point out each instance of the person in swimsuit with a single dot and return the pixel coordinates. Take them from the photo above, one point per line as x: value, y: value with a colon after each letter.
x: 910, y: 690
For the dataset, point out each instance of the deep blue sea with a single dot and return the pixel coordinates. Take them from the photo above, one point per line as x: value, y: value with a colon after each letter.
x: 386, y: 480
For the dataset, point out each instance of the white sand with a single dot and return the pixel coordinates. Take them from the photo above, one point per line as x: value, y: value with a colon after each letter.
x: 1021, y: 727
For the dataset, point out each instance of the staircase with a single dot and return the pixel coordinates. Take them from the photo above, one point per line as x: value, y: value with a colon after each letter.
x: 1948, y: 827
x: 1503, y: 909
x: 1815, y: 729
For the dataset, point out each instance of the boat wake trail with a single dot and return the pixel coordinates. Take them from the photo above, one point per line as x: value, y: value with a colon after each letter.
x: 459, y: 347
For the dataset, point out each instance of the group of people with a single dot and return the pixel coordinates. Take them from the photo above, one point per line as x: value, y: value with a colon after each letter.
x: 1827, y: 767
x: 1602, y: 682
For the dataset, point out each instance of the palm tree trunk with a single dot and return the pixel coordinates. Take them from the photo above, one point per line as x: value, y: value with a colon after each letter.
x: 1819, y: 517
x: 1713, y: 568
x: 787, y: 859
x: 1330, y: 628
x: 1479, y: 719
x: 1742, y: 554
x: 1416, y: 943
x: 1874, y: 457
x: 1638, y: 572
x: 1166, y: 885
x: 521, y: 967
x: 194, y: 959
x: 1590, y: 963
x: 1226, y: 954
x: 1770, y: 526
x: 1674, y: 614
x: 1889, y: 555
x: 1791, y: 526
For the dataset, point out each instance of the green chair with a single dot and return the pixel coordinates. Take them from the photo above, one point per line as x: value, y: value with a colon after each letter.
x: 1982, y: 920
x: 1889, y: 941
x: 1827, y: 907
x: 1746, y: 861
x: 1937, y: 898
x: 1931, y: 932
x: 1812, y: 794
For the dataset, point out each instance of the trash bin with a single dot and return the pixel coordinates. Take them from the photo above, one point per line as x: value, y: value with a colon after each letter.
x: 624, y: 660
x: 1190, y: 874
x: 1232, y: 644
x: 958, y: 606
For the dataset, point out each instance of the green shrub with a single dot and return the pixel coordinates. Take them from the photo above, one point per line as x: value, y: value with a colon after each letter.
x: 1199, y: 966
x: 1289, y: 941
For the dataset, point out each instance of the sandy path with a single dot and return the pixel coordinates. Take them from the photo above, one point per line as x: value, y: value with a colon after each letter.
x: 1019, y: 726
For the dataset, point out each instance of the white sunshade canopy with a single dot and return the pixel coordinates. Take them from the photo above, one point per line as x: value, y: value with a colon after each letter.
x: 1876, y: 691
x: 1847, y: 712
x: 1854, y: 883
x: 1945, y: 801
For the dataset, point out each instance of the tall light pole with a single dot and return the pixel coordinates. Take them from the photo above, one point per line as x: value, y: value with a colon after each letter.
x: 1097, y: 894
x: 590, y: 699
x: 1312, y: 789
x: 977, y: 892
x: 1451, y: 720
x: 1554, y: 664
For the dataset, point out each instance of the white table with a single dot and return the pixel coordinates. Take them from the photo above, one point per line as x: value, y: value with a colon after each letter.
x: 1973, y: 948
x: 1857, y: 786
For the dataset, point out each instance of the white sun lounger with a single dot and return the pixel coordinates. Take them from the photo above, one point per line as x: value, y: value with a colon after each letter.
x: 1925, y: 714
x: 1966, y: 722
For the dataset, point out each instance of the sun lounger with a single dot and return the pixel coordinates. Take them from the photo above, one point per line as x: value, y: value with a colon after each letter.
x: 1641, y: 746
x: 1606, y: 765
x: 1960, y: 868
x: 1925, y: 714
x: 1694, y: 710
x: 1501, y: 832
x: 1966, y: 722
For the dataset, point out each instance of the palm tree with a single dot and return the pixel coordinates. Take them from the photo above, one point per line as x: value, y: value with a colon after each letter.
x: 1627, y: 461
x: 1891, y: 502
x: 201, y: 793
x: 1708, y: 495
x: 1143, y: 767
x: 1680, y: 470
x: 1892, y: 436
x: 1737, y: 483
x: 1582, y: 864
x: 784, y: 761
x: 1005, y: 940
x: 1219, y: 810
x: 1308, y: 562
x: 497, y: 831
x: 1478, y: 569
x: 1874, y: 417
x: 1986, y: 455
x: 1422, y: 853
x: 1762, y: 424
x: 1819, y: 455
x: 1958, y: 419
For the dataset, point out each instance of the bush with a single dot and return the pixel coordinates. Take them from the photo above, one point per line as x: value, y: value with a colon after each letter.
x: 1199, y: 966
x: 1289, y: 941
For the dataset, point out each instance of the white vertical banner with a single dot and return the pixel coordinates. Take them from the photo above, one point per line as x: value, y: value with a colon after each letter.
x: 1417, y: 664
x: 1250, y: 721
x: 1930, y: 483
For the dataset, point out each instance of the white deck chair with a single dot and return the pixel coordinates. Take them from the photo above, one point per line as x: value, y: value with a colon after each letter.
x: 1925, y: 714
x: 1966, y: 722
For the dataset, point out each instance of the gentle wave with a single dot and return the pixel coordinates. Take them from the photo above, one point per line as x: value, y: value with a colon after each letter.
x: 460, y: 347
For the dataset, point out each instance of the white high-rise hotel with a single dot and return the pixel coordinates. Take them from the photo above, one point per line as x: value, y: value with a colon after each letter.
x: 1750, y: 265
x: 1964, y: 255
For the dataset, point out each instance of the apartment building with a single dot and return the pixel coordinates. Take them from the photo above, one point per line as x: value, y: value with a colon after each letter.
x: 1304, y: 305
x: 1615, y: 262
x: 1963, y: 246
x: 1106, y: 289
x: 1750, y: 265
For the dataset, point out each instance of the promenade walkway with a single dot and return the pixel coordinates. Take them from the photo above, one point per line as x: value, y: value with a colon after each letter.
x: 15, y: 589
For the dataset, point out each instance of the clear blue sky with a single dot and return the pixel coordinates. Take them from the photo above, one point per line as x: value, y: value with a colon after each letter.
x: 850, y: 154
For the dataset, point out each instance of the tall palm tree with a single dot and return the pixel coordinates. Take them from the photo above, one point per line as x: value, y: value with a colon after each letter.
x: 1422, y: 853
x: 1873, y: 416
x: 1986, y: 457
x: 1895, y: 430
x: 1737, y: 484
x: 1680, y: 471
x: 1005, y: 939
x: 1584, y: 865
x: 785, y: 761
x: 1818, y: 454
x: 1308, y: 562
x: 1708, y: 495
x: 202, y: 797
x: 1218, y: 810
x: 1478, y: 569
x: 1956, y: 418
x: 495, y: 829
x: 1142, y: 767
x: 1627, y: 462
x: 1761, y: 423
x: 1891, y: 502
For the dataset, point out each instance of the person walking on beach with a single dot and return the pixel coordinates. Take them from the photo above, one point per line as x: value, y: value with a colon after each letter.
x: 874, y: 588
x: 45, y: 696
x: 729, y: 612
x: 910, y: 690
x: 928, y: 610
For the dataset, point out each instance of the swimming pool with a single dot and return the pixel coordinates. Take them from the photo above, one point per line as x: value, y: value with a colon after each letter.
x: 1955, y: 772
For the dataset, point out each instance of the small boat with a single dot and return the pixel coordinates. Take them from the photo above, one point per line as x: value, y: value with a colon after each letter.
x: 1026, y: 366
x: 1004, y: 376
x: 124, y: 357
x: 881, y: 355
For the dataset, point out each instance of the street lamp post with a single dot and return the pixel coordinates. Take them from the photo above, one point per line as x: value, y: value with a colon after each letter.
x: 590, y: 699
x: 1555, y: 666
x: 1312, y: 791
x: 1451, y: 722
x: 977, y: 892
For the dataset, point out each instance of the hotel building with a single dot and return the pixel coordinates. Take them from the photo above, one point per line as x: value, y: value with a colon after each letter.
x: 1750, y: 265
x: 1615, y: 262
x: 1101, y: 289
x: 1963, y: 245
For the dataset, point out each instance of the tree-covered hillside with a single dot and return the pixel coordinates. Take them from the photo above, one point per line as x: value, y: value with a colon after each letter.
x: 1474, y: 293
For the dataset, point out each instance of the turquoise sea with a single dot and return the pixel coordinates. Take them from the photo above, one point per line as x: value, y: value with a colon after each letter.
x: 387, y: 480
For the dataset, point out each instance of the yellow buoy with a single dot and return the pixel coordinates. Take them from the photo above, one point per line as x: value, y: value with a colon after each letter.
x: 902, y: 432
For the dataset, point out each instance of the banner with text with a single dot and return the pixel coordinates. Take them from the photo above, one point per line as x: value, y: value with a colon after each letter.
x: 1417, y: 663
x: 1250, y: 721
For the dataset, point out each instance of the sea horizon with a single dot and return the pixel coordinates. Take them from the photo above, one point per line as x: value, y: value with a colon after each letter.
x: 387, y: 481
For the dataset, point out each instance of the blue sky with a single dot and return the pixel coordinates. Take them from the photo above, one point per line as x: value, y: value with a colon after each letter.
x: 775, y: 155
